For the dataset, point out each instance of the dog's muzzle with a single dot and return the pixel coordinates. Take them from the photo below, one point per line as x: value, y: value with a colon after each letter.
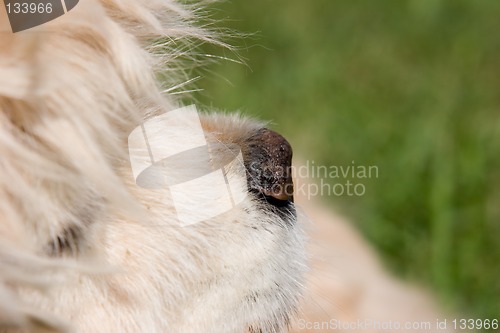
x: 268, y: 160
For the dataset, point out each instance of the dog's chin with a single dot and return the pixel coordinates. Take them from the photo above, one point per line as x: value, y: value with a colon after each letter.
x: 274, y: 301
x: 261, y: 283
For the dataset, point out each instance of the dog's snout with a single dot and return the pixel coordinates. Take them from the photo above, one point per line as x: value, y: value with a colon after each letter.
x: 268, y: 159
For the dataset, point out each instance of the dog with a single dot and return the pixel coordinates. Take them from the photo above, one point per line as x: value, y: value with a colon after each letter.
x: 87, y: 246
x: 83, y: 247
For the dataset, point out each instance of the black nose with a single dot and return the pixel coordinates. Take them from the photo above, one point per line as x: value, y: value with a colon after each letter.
x: 268, y: 160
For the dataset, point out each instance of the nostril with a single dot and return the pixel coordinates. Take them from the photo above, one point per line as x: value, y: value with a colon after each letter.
x: 268, y: 159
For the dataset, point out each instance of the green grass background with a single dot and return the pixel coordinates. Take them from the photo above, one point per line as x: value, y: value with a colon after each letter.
x: 411, y: 86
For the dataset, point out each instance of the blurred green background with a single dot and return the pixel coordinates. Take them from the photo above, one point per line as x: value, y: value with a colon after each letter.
x: 411, y: 86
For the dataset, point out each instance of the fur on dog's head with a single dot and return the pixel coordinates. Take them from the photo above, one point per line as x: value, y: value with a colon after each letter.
x: 82, y: 247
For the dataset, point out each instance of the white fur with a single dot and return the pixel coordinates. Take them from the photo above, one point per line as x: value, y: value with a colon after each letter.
x: 70, y: 93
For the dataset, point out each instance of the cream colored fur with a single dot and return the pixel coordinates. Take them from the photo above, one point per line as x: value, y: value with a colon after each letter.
x: 82, y: 247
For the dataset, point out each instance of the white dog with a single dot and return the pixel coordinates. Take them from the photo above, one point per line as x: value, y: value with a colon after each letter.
x: 82, y: 247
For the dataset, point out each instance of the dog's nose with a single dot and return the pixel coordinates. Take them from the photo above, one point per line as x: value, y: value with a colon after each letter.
x: 268, y: 160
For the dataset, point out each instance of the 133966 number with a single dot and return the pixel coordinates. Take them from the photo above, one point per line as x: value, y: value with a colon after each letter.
x: 29, y: 7
x: 475, y: 324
